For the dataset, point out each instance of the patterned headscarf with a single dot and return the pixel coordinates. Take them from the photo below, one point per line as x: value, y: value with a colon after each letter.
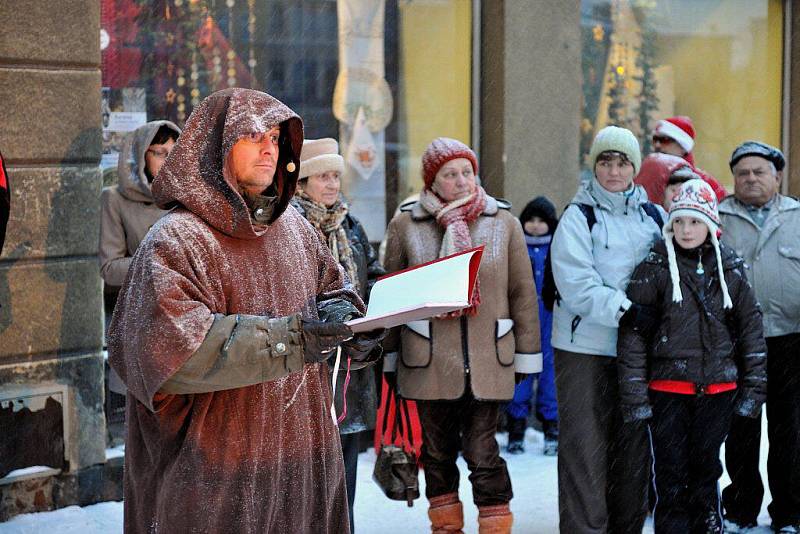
x: 328, y: 223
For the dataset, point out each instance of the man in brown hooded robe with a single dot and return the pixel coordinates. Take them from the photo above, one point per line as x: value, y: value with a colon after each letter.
x: 217, y: 335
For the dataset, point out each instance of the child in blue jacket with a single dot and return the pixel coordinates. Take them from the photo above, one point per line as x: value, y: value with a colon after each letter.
x: 539, y: 223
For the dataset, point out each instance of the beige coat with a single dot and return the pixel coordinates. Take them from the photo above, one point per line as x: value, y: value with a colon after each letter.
x: 128, y: 209
x: 773, y: 254
x: 433, y: 358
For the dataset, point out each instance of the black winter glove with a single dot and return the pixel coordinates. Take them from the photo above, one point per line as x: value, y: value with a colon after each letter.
x: 336, y: 311
x: 746, y: 406
x: 321, y: 339
x: 641, y: 318
x: 362, y: 347
x: 636, y: 413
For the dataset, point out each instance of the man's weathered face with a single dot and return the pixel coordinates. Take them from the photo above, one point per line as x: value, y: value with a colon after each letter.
x: 253, y: 160
x: 667, y: 145
x: 755, y: 180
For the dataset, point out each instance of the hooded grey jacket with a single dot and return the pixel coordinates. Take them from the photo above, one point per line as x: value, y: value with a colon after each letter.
x: 592, y: 270
x: 773, y: 254
x: 128, y: 209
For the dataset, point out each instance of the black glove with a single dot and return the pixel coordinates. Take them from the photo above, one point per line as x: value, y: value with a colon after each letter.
x: 320, y: 339
x: 636, y: 413
x: 336, y: 311
x: 361, y: 347
x: 641, y: 318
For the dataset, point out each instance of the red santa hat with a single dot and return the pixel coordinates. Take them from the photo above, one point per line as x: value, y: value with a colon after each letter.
x: 679, y: 128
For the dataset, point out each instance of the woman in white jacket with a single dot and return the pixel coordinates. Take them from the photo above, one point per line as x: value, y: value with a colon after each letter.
x: 604, y: 233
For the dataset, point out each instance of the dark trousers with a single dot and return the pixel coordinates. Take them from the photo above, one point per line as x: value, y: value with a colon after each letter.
x: 470, y: 425
x: 688, y: 432
x: 742, y: 498
x: 350, y: 446
x: 603, y: 464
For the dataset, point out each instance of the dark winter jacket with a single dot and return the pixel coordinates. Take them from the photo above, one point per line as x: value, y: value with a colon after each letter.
x: 369, y: 268
x: 362, y: 399
x: 696, y: 340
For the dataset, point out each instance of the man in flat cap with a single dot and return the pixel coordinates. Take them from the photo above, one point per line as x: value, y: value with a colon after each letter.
x: 763, y: 227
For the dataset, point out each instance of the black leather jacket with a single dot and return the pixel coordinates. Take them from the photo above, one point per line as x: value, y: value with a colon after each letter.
x: 696, y: 340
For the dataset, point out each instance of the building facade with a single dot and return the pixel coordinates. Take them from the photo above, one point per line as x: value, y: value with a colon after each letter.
x: 526, y: 82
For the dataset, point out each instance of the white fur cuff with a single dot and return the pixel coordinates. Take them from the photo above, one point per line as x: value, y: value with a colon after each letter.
x: 528, y: 363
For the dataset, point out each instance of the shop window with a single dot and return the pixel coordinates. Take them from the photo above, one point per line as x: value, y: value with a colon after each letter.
x: 717, y: 61
x: 327, y: 59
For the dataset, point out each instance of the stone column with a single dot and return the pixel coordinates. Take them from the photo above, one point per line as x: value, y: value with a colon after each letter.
x: 50, y: 291
x: 530, y: 99
x: 792, y: 174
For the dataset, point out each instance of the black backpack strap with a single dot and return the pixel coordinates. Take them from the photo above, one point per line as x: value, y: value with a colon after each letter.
x: 652, y: 211
x: 588, y: 212
x: 549, y: 290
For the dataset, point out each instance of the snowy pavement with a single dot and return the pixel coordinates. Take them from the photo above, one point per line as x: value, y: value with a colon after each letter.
x: 535, y: 503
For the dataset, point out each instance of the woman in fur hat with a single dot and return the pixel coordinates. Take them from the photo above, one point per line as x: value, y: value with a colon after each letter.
x: 320, y: 201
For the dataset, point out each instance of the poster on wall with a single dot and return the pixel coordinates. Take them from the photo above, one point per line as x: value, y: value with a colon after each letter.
x: 363, y: 105
x: 123, y: 111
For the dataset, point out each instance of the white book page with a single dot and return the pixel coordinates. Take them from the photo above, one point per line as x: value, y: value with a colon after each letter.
x: 418, y: 293
x: 440, y: 282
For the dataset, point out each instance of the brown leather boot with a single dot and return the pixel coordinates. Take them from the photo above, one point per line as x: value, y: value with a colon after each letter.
x: 495, y: 519
x: 446, y: 514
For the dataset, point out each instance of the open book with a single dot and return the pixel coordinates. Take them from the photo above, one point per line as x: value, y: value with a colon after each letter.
x: 422, y: 291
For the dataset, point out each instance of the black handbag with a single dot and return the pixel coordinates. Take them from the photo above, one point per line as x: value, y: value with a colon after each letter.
x: 396, y: 470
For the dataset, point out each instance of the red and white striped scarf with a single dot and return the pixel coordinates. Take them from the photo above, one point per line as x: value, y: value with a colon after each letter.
x: 455, y: 217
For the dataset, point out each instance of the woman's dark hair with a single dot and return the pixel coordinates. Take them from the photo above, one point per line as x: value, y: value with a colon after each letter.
x: 164, y: 134
x: 611, y: 154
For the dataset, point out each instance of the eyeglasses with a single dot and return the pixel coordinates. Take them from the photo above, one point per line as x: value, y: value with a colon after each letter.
x: 661, y: 139
x: 162, y: 154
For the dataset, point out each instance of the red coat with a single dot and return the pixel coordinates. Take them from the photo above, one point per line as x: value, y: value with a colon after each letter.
x: 656, y: 170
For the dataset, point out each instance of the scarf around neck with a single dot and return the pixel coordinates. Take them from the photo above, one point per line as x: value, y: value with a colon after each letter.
x: 455, y: 218
x: 328, y: 223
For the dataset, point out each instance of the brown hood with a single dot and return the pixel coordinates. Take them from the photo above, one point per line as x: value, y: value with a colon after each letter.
x: 131, y: 179
x: 192, y: 176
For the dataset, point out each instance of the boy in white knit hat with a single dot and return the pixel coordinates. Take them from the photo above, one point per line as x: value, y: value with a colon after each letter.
x: 704, y: 360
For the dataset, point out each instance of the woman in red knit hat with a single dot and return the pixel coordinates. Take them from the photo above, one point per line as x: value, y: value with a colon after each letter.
x: 460, y: 367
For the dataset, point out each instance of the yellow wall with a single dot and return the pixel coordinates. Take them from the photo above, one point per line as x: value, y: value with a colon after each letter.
x: 435, y: 79
x: 730, y: 88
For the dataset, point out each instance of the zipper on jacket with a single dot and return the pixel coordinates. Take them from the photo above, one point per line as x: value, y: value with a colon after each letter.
x: 575, y: 322
x: 465, y: 342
